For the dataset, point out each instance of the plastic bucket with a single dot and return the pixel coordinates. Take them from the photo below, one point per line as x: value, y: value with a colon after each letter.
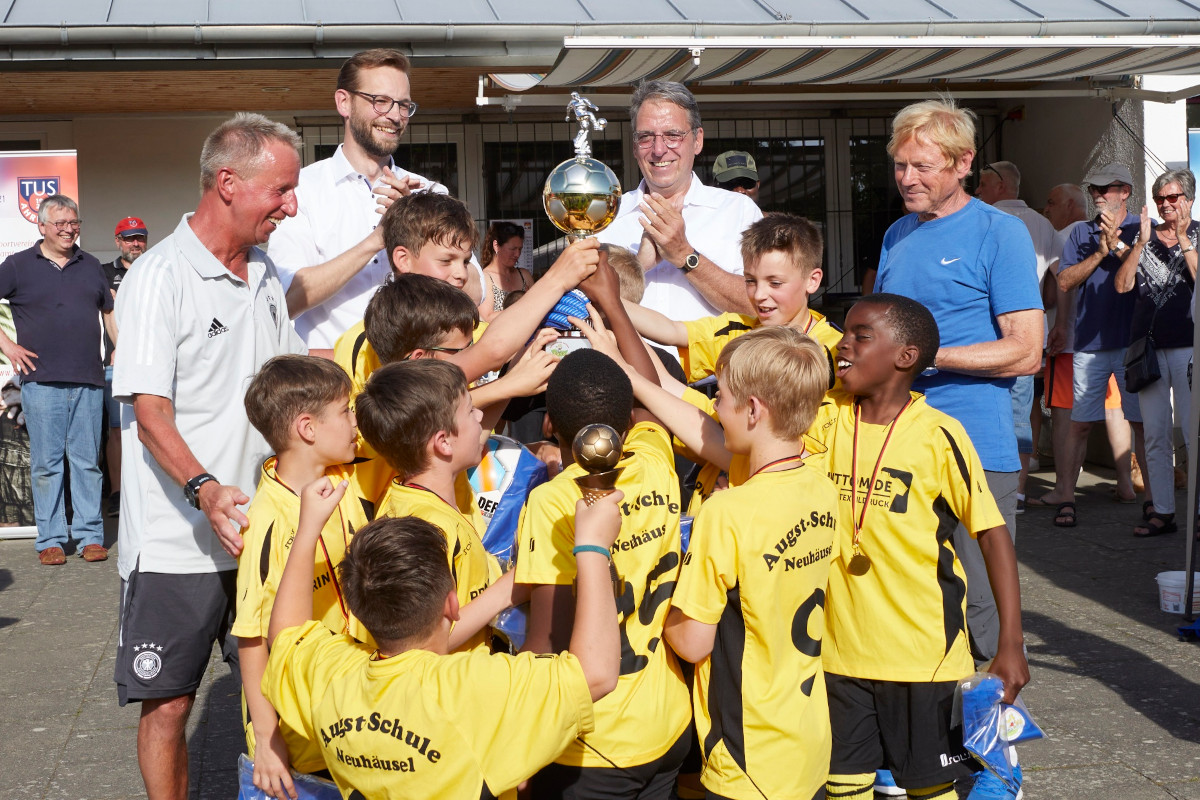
x: 1171, y: 589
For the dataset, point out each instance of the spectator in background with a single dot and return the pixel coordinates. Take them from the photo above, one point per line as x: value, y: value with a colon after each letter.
x: 735, y: 171
x: 999, y: 187
x: 499, y: 255
x: 55, y: 290
x: 1103, y: 316
x: 131, y: 236
x: 685, y: 234
x: 1161, y: 266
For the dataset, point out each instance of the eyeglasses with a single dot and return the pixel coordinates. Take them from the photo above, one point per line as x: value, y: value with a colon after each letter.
x: 672, y: 139
x: 1167, y: 198
x: 134, y: 237
x: 67, y: 224
x: 384, y: 104
x: 1105, y: 189
x: 993, y: 169
x: 450, y: 350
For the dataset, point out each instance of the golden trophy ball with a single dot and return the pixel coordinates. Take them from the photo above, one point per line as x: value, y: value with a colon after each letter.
x: 581, y: 195
x: 597, y: 448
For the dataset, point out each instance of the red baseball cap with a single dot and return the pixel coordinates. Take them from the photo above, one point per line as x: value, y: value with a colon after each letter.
x: 131, y: 226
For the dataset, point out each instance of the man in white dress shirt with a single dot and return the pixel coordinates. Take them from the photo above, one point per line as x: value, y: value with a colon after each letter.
x: 687, y: 235
x: 330, y: 255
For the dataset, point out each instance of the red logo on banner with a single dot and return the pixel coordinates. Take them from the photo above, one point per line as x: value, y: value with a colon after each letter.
x: 32, y: 191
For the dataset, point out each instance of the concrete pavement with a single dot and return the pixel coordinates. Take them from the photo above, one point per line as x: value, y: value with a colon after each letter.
x: 1117, y: 692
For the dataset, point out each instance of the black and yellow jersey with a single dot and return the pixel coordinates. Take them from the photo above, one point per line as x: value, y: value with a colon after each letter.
x: 648, y: 711
x: 353, y: 353
x: 465, y: 725
x: 267, y: 540
x: 473, y: 567
x: 905, y: 619
x: 708, y: 336
x: 757, y: 568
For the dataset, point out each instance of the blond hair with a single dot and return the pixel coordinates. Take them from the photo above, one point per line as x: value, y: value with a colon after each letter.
x: 938, y: 122
x: 630, y: 275
x: 783, y: 368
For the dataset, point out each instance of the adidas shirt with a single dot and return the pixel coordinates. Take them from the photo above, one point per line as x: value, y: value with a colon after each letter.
x: 420, y: 725
x: 905, y: 619
x: 757, y: 568
x: 195, y: 334
x: 640, y: 720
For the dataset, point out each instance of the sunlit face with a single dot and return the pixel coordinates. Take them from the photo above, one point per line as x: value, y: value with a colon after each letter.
x: 666, y: 170
x: 867, y: 353
x: 466, y: 443
x: 335, y: 432
x: 446, y: 262
x: 263, y: 199
x: 1110, y: 198
x: 735, y: 419
x: 131, y: 247
x: 1172, y: 204
x: 377, y: 134
x: 778, y: 289
x: 929, y: 184
x: 60, y: 230
x: 509, y: 253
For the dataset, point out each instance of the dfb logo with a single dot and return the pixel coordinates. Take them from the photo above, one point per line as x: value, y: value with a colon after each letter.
x: 32, y: 191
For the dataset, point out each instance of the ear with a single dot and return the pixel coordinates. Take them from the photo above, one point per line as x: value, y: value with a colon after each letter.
x: 342, y: 99
x: 225, y: 183
x: 401, y: 259
x: 757, y: 410
x: 305, y: 428
x: 440, y: 445
x: 814, y: 280
x: 450, y: 607
x: 699, y: 141
x: 963, y: 167
x: 907, y: 357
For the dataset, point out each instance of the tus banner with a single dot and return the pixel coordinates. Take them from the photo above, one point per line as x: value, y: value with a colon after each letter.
x: 26, y: 178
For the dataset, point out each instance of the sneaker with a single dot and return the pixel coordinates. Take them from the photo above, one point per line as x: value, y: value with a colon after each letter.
x: 52, y: 557
x: 1020, y: 505
x: 885, y: 785
x: 94, y: 552
x: 114, y: 504
x: 989, y: 787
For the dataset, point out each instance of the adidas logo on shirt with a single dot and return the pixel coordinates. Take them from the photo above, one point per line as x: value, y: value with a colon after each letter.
x: 216, y: 328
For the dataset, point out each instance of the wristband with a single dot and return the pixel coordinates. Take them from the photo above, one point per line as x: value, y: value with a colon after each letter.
x: 591, y: 548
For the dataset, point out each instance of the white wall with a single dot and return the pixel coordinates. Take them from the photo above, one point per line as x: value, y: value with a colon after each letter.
x: 1165, y: 128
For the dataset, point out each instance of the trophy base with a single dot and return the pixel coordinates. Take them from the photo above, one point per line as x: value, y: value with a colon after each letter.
x: 598, y: 484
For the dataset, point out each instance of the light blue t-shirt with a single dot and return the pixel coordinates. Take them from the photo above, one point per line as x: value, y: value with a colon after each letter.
x: 967, y: 269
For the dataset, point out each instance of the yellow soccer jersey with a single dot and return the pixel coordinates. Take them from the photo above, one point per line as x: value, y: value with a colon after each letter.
x: 708, y: 336
x: 470, y: 564
x: 648, y: 711
x: 267, y: 541
x: 353, y: 353
x: 757, y: 568
x: 417, y: 724
x: 905, y: 619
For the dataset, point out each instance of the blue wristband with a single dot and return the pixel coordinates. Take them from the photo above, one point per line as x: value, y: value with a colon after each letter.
x: 591, y: 548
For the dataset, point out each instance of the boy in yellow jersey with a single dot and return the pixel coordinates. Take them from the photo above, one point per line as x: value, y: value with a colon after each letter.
x: 782, y: 254
x: 896, y: 633
x: 432, y: 234
x: 419, y: 417
x: 642, y: 728
x: 749, y: 607
x: 301, y: 405
x: 410, y: 720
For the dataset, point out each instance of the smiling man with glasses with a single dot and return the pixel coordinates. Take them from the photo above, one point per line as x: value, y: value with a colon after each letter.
x: 686, y: 234
x: 330, y: 255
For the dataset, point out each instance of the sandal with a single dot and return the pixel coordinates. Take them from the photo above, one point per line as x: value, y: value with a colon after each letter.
x: 1147, y: 510
x: 1166, y: 524
x: 1064, y: 515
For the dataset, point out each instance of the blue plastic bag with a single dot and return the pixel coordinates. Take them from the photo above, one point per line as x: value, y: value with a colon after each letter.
x: 990, y: 727
x: 308, y: 787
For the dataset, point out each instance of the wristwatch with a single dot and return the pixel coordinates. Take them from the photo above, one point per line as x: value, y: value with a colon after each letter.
x: 191, y: 489
x: 690, y: 263
x: 1118, y: 248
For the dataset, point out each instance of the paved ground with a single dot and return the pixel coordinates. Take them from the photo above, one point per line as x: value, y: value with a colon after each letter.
x: 1113, y: 686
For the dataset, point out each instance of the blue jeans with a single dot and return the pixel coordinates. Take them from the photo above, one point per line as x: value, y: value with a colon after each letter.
x: 1022, y: 405
x: 63, y: 419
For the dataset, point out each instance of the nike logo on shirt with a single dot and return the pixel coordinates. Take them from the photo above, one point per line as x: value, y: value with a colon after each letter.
x: 946, y: 261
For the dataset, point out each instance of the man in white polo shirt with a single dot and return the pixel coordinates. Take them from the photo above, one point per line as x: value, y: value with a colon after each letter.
x: 330, y: 255
x: 199, y: 313
x: 687, y: 235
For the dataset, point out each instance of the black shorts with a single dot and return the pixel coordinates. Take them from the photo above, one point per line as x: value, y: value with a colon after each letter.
x: 652, y: 781
x: 167, y: 628
x: 904, y: 727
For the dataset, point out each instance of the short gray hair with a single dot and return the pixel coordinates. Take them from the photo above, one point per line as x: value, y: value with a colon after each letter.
x: 55, y: 201
x: 1009, y: 173
x: 668, y: 91
x: 239, y: 143
x: 1074, y: 193
x: 1184, y: 177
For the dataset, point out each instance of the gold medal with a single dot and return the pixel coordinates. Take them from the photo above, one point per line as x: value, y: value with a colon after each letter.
x: 859, y: 565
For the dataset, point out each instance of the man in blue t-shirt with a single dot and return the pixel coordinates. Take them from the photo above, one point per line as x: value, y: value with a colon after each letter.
x: 1090, y: 260
x: 974, y: 267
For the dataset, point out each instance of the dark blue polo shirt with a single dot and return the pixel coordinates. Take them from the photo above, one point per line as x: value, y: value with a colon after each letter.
x: 57, y: 313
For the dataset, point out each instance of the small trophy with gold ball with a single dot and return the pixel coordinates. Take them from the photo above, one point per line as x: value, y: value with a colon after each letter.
x: 581, y: 195
x: 597, y: 448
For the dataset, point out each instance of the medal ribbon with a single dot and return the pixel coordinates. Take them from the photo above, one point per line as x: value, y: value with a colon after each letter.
x: 859, y: 518
x: 783, y: 460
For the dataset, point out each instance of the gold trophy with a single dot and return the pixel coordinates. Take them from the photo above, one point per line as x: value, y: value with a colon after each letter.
x: 581, y: 195
x: 597, y: 448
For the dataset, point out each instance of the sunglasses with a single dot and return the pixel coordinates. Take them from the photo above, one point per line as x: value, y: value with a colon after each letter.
x: 1167, y: 198
x: 1105, y: 189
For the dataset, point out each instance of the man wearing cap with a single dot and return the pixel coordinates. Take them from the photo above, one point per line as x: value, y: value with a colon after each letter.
x: 1103, y: 316
x: 131, y: 239
x: 735, y: 171
x: 330, y: 255
x: 56, y: 291
x: 687, y: 235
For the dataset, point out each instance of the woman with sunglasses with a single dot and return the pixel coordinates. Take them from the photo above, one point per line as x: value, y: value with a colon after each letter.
x: 1161, y: 267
